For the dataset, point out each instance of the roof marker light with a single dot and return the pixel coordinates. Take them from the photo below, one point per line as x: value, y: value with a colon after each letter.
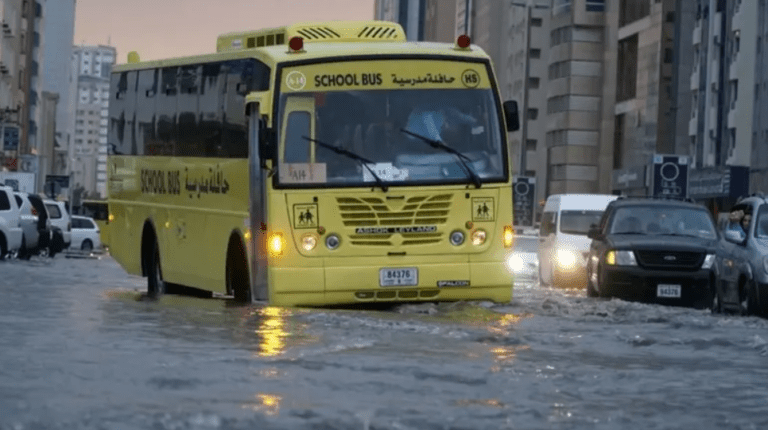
x: 463, y: 41
x: 296, y: 43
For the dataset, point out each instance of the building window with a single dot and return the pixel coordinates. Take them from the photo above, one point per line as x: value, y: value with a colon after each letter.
x: 561, y: 6
x: 535, y: 53
x: 536, y: 22
x: 530, y: 145
x: 533, y: 83
x: 533, y: 114
x: 626, y: 79
x: 595, y: 5
x: 633, y: 10
x: 669, y: 56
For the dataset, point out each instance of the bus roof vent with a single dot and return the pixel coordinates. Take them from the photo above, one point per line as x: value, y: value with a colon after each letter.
x: 331, y: 31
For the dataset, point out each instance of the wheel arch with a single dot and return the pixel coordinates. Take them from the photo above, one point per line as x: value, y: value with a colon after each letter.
x: 148, y: 236
x: 237, y: 256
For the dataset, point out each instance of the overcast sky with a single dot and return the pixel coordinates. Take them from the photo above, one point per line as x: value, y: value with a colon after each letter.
x: 172, y: 28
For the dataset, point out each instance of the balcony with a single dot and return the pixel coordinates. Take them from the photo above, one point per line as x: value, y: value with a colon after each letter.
x: 695, y: 78
x: 732, y: 113
x: 697, y: 33
x: 693, y: 126
x: 733, y: 69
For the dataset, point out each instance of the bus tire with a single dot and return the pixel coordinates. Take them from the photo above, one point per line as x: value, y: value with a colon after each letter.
x: 237, y: 272
x: 155, y: 283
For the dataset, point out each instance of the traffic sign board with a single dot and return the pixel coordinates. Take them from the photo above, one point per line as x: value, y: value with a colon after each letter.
x: 523, y: 201
x: 670, y: 176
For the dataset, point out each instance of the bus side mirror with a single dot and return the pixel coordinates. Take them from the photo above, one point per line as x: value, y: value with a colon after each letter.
x: 267, y: 145
x: 512, y: 115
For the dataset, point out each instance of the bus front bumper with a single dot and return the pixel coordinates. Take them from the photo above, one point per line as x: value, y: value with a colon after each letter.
x: 358, y: 284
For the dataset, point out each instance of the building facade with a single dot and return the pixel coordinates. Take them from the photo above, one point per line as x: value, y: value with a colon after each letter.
x: 58, y: 77
x: 93, y: 65
x: 12, y: 71
x: 408, y: 13
x: 758, y: 178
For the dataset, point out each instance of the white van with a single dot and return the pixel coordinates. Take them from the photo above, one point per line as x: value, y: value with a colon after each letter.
x: 563, y: 241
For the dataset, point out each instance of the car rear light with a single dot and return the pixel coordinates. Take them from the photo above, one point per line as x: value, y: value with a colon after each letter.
x: 34, y: 211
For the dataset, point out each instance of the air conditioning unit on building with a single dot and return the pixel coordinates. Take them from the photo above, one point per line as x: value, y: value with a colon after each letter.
x: 7, y: 29
x: 3, y: 68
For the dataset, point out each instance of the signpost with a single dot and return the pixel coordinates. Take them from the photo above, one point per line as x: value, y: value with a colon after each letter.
x: 523, y: 201
x: 670, y: 176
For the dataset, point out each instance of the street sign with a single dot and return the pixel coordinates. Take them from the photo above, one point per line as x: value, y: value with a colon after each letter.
x: 670, y: 176
x: 523, y: 201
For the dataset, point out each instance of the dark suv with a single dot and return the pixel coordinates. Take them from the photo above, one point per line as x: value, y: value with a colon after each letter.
x: 654, y: 250
x: 744, y: 285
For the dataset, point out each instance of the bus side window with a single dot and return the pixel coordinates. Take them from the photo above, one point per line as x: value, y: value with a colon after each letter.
x: 296, y: 147
x: 145, y: 109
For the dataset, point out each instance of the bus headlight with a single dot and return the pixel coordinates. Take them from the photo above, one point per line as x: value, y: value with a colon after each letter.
x: 309, y: 242
x: 509, y: 236
x: 478, y: 237
x: 332, y: 242
x: 620, y: 258
x: 457, y: 238
x: 566, y: 259
x: 276, y: 243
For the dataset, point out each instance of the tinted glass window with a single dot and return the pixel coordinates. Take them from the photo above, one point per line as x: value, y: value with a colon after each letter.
x: 296, y: 147
x: 761, y: 226
x: 663, y: 220
x: 77, y: 223
x: 578, y: 222
x: 5, y: 204
x: 53, y: 211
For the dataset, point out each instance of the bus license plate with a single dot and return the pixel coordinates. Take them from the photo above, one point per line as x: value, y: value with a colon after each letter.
x: 398, y: 276
x: 668, y: 291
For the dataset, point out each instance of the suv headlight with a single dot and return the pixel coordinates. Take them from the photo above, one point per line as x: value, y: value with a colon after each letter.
x: 620, y: 258
x: 709, y: 261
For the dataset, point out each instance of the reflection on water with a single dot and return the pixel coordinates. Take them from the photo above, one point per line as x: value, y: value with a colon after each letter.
x: 272, y: 331
x: 268, y: 404
x: 491, y: 403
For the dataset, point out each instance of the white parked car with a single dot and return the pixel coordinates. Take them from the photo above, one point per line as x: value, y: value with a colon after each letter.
x: 85, y: 233
x: 59, y: 216
x: 10, y: 227
x: 35, y: 224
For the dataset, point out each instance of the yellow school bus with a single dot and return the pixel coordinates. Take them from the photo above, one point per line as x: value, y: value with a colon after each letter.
x: 314, y: 164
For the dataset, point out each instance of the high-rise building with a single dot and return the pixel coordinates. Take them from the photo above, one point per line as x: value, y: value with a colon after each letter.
x: 58, y: 77
x: 12, y: 72
x: 408, y: 13
x: 722, y: 98
x: 93, y: 66
x: 758, y: 180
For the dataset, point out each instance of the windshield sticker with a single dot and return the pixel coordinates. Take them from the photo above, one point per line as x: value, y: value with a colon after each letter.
x: 302, y: 173
x: 470, y: 78
x: 305, y: 215
x: 482, y: 209
x: 429, y: 78
x: 296, y: 81
x: 385, y: 172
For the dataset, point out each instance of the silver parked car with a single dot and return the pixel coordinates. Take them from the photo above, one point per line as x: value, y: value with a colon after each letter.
x: 744, y: 272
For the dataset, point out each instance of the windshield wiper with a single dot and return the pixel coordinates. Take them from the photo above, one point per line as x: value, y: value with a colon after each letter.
x: 364, y: 161
x: 462, y: 158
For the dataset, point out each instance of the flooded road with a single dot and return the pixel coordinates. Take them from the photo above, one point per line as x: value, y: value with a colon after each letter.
x: 81, y: 348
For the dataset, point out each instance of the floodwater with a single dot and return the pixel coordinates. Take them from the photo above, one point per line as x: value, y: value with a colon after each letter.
x: 81, y: 347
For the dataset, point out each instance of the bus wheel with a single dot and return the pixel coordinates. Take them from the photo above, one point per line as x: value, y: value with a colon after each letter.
x: 155, y: 283
x: 237, y: 273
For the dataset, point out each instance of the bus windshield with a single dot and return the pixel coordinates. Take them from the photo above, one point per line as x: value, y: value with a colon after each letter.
x: 405, y: 136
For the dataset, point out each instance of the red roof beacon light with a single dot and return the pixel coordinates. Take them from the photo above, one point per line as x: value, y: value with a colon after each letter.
x: 296, y: 43
x: 463, y: 41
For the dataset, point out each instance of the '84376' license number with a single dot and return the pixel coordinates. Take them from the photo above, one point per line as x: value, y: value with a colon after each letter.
x: 398, y: 276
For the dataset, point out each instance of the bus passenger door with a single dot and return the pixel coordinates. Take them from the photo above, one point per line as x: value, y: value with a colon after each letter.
x: 259, y: 139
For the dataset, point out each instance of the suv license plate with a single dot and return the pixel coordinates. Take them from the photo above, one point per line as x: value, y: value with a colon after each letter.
x: 398, y: 276
x: 668, y: 290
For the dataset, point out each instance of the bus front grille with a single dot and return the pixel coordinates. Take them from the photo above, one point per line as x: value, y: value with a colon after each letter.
x: 419, y: 211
